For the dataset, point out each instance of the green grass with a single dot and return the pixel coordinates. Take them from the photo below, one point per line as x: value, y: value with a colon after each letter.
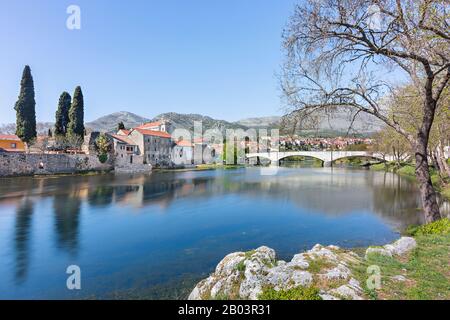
x: 407, y: 170
x: 298, y: 293
x: 426, y: 268
x: 318, y: 265
x: 440, y: 227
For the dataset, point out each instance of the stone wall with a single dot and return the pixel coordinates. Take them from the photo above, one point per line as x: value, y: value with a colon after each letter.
x: 17, y: 164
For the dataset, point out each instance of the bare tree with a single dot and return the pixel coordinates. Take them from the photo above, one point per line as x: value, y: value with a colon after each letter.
x: 349, y: 54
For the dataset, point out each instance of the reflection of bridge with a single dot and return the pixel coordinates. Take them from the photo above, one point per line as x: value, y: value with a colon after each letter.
x: 327, y: 157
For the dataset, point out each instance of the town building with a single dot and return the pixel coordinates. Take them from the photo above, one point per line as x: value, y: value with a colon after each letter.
x: 125, y: 151
x: 183, y: 153
x: 11, y: 143
x: 151, y: 142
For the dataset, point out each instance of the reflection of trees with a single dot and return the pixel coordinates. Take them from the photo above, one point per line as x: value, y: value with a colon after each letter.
x: 67, y: 220
x: 24, y: 215
x: 100, y: 195
x: 396, y: 199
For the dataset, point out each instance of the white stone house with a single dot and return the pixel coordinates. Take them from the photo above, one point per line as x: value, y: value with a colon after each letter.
x: 153, y: 145
x: 183, y: 153
x: 125, y: 151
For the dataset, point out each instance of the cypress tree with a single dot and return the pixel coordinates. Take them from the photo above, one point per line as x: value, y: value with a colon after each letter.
x: 62, y: 114
x: 120, y: 126
x: 25, y: 108
x: 76, y: 115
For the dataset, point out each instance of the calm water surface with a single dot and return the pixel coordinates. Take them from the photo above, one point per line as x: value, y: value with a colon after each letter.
x: 155, y: 236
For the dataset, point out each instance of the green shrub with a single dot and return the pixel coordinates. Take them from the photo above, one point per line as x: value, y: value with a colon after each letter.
x: 441, y: 226
x: 103, y: 157
x: 241, y: 266
x: 407, y: 170
x: 298, y: 293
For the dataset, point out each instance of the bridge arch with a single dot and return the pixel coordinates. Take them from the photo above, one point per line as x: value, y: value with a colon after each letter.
x: 375, y: 157
x: 301, y: 155
x: 260, y: 157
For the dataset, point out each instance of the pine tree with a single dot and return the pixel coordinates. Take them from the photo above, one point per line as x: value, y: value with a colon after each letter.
x: 120, y: 126
x: 76, y: 115
x: 25, y: 108
x: 62, y: 114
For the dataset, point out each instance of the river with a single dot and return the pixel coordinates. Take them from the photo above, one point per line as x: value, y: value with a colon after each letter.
x: 155, y: 236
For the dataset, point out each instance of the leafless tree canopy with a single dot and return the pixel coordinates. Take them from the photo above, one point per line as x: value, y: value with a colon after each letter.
x: 341, y: 54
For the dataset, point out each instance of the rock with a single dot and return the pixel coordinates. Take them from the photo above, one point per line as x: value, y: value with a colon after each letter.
x: 380, y: 251
x: 402, y: 246
x: 399, y: 278
x: 300, y: 261
x: 256, y: 268
x: 195, y: 294
x: 319, y: 252
x: 399, y: 247
x: 229, y: 264
x: 347, y: 292
x: 285, y: 277
x: 339, y: 272
x: 355, y: 285
x: 326, y: 296
x: 244, y: 275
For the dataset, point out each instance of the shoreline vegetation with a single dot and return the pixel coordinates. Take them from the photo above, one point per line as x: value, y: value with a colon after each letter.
x: 414, y: 268
x: 441, y: 185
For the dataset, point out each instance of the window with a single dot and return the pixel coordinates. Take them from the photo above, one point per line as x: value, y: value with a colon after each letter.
x: 13, y: 145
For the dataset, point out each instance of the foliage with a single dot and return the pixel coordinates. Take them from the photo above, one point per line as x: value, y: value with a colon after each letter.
x: 103, y: 157
x: 317, y: 265
x: 25, y: 108
x: 441, y: 227
x: 241, y: 266
x: 76, y: 115
x: 338, y: 58
x: 120, y: 126
x: 407, y: 170
x: 297, y: 293
x: 62, y: 114
x: 103, y: 144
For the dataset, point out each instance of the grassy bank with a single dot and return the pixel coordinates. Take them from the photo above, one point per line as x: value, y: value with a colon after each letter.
x: 408, y: 170
x: 423, y: 274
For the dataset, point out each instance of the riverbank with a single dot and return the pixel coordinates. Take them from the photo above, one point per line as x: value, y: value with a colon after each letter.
x: 408, y: 170
x: 411, y: 268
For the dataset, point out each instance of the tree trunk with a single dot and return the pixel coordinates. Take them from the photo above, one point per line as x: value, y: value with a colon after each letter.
x: 427, y: 192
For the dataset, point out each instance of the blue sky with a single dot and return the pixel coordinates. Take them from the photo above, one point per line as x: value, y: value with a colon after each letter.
x: 214, y: 57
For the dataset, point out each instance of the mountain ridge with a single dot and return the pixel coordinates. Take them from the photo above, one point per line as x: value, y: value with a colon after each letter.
x: 109, y: 122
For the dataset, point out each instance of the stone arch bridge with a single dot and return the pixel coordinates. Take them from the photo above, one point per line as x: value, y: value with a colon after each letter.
x: 327, y: 157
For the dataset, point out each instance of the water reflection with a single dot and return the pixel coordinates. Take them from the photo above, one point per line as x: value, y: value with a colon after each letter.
x: 169, y: 224
x: 24, y: 214
x: 67, y: 220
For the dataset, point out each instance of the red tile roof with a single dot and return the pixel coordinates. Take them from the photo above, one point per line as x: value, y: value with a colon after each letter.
x: 149, y: 125
x: 123, y: 139
x: 184, y: 143
x: 125, y: 131
x: 153, y: 133
x: 9, y: 137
